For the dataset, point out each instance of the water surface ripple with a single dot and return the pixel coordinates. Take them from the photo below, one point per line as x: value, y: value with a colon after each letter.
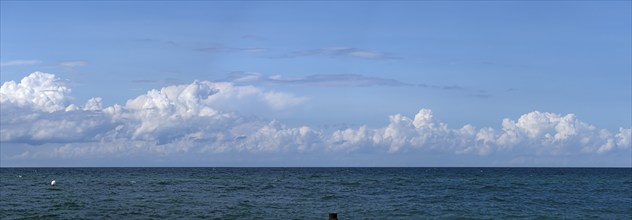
x: 311, y: 193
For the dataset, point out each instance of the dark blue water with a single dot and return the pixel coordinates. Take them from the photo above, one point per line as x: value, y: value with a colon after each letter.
x: 311, y: 193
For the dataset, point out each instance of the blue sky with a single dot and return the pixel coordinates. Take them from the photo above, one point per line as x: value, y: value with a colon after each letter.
x: 295, y: 82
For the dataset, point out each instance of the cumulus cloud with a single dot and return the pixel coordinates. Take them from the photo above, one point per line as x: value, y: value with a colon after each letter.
x: 36, y: 127
x: 36, y: 111
x: 41, y: 91
x: 199, y: 118
x: 536, y: 132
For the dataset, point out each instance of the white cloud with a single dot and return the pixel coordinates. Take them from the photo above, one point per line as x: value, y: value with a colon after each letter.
x: 200, y: 118
x: 534, y: 132
x: 32, y: 126
x: 194, y: 112
x: 280, y: 100
x: 36, y: 110
x: 41, y: 91
x: 624, y: 137
x: 276, y: 137
x: 93, y: 104
x: 19, y: 62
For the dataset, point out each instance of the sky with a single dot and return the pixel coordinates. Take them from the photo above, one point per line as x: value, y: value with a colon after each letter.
x: 278, y: 83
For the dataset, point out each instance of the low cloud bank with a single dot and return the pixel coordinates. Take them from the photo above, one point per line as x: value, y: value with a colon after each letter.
x: 194, y: 118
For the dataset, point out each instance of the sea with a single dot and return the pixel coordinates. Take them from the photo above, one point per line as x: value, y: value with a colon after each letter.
x: 313, y: 193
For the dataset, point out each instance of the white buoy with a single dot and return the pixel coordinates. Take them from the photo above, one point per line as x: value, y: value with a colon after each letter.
x: 52, y: 183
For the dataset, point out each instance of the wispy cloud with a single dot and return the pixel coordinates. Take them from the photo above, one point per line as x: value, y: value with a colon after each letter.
x: 481, y: 95
x: 19, y: 62
x: 341, y: 80
x: 232, y: 49
x: 315, y: 80
x: 344, y: 52
x: 254, y: 37
x: 154, y: 40
x: 72, y: 63
x: 167, y: 81
x: 444, y: 87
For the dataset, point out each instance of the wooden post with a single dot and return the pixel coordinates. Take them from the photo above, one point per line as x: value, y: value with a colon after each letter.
x: 333, y: 216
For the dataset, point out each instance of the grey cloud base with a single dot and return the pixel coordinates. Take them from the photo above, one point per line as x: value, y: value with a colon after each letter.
x: 193, y: 119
